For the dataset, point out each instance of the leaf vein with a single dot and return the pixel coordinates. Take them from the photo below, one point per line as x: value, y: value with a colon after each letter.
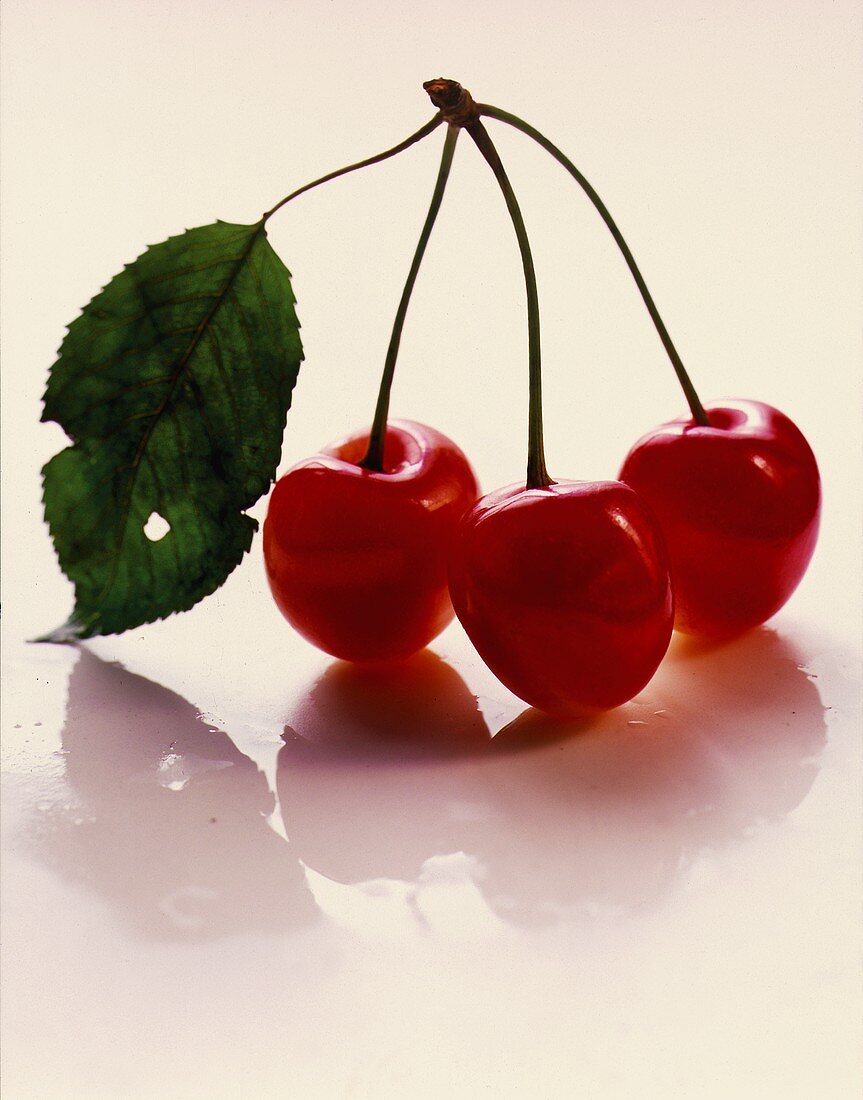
x: 145, y: 438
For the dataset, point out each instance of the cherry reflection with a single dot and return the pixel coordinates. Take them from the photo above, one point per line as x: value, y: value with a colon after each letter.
x: 563, y: 819
x: 372, y: 778
x: 163, y: 816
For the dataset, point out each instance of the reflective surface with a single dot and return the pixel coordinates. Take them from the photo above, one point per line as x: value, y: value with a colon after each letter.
x: 385, y: 876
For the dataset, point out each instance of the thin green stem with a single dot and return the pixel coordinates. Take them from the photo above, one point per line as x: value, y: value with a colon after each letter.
x: 698, y: 413
x: 374, y: 459
x: 537, y: 474
x: 423, y: 131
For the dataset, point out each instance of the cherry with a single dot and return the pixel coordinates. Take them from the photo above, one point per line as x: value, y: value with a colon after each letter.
x: 356, y: 558
x: 563, y: 588
x: 356, y: 538
x: 564, y: 592
x: 738, y: 500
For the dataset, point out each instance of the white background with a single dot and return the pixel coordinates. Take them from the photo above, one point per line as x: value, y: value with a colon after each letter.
x: 661, y: 908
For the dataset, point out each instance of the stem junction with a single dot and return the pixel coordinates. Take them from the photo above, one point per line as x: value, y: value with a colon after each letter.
x: 458, y: 109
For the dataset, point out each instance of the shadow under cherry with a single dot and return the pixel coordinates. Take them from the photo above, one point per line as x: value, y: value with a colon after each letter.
x: 385, y: 769
x: 381, y: 772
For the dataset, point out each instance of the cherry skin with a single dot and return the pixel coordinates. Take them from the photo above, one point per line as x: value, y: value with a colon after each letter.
x: 356, y: 559
x: 565, y: 593
x: 739, y: 504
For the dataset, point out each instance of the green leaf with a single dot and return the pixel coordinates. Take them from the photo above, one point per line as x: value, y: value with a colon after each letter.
x: 173, y: 385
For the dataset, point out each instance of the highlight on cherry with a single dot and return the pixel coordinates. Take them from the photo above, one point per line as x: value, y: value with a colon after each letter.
x: 173, y: 386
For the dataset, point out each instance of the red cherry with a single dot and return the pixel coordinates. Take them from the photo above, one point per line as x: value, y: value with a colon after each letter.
x: 739, y: 503
x: 565, y: 592
x: 356, y: 559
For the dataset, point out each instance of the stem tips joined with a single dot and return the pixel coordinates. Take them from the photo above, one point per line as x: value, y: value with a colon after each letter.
x: 454, y: 102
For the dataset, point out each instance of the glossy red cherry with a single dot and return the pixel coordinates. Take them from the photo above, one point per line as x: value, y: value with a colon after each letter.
x: 565, y: 592
x: 356, y: 559
x: 739, y: 504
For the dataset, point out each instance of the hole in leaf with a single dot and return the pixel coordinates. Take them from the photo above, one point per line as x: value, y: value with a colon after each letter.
x: 156, y: 527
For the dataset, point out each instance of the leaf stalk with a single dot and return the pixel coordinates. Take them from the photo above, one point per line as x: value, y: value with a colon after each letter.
x: 423, y: 132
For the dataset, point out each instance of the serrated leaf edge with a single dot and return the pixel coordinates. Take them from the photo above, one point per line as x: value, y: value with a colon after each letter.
x: 76, y: 628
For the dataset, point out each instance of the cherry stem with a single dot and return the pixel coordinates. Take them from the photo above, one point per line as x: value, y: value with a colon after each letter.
x: 537, y: 474
x: 374, y: 458
x: 423, y: 131
x: 698, y: 413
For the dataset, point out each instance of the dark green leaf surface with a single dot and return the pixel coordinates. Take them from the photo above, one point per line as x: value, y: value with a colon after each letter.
x: 173, y: 386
